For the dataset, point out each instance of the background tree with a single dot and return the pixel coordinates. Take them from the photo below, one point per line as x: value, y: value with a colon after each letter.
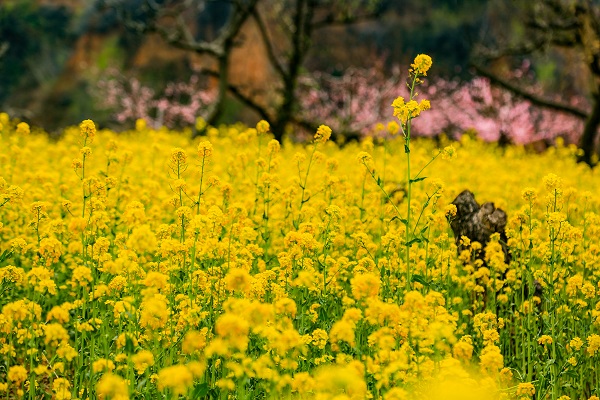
x: 298, y: 28
x: 34, y: 42
x: 286, y: 29
x: 171, y: 20
x: 567, y: 29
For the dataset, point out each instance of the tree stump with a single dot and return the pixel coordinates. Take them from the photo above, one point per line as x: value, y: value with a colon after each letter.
x: 478, y: 223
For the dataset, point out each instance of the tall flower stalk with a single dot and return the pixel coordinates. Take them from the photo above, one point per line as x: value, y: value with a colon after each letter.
x: 406, y: 111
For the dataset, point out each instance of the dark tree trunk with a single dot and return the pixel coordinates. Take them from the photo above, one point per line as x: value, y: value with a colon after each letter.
x: 217, y: 107
x: 590, y: 131
x: 301, y: 37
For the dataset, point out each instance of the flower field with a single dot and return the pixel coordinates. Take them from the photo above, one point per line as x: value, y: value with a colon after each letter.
x: 145, y: 265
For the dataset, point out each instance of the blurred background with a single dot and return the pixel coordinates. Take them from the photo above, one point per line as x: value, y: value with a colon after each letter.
x: 507, y: 71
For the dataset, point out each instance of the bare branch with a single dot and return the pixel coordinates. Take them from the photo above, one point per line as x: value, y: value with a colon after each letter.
x: 180, y: 35
x: 331, y: 20
x: 248, y: 101
x: 268, y: 43
x: 236, y: 91
x: 539, y: 101
x: 522, y: 49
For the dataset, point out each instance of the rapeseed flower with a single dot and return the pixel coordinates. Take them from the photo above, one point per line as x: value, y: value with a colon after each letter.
x: 421, y: 64
x: 23, y: 129
x: 17, y: 374
x: 177, y: 378
x: 323, y: 134
x: 112, y: 387
x: 142, y: 360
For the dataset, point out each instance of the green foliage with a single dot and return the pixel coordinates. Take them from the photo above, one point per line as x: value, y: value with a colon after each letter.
x: 38, y: 39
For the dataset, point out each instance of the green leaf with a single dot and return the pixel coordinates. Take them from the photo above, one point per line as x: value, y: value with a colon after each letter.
x: 5, y: 254
x: 129, y: 347
x: 418, y: 179
x: 200, y: 391
x: 420, y: 279
x: 415, y: 240
x: 141, y: 384
x: 405, y: 222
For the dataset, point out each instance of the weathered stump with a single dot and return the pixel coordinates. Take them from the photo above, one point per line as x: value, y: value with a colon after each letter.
x: 478, y: 223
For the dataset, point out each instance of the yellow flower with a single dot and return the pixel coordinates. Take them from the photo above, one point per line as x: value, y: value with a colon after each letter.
x: 365, y: 286
x: 200, y: 124
x: 331, y: 381
x: 552, y: 182
x: 393, y: 128
x: 448, y: 153
x: 178, y: 157
x: 17, y: 374
x: 23, y: 128
x: 450, y: 211
x: 205, y: 149
x: 525, y: 389
x: 262, y: 127
x: 342, y: 330
x: 396, y: 393
x: 234, y: 328
x: 286, y: 306
x: 491, y: 358
x: 140, y: 124
x: 421, y: 64
x: 142, y: 360
x: 55, y: 333
x: 88, y: 129
x: 66, y: 351
x: 529, y: 194
x: 61, y: 386
x: 364, y: 158
x: 157, y: 280
x: 576, y: 343
x: 545, y: 339
x: 407, y: 111
x: 103, y: 365
x: 177, y: 378
x: 194, y: 341
x: 463, y: 350
x: 593, y: 344
x: 323, y: 134
x: 155, y: 312
x: 319, y: 338
x: 273, y: 146
x: 238, y: 279
x: 112, y: 387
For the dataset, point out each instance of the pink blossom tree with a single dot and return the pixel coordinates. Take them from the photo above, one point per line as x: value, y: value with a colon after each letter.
x: 360, y: 99
x: 179, y: 104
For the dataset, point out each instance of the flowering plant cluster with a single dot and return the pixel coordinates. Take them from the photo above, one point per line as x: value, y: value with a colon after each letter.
x: 145, y: 265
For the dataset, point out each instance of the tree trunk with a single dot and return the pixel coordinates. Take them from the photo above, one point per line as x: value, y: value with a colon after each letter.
x: 217, y: 109
x: 590, y: 131
x: 286, y: 108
